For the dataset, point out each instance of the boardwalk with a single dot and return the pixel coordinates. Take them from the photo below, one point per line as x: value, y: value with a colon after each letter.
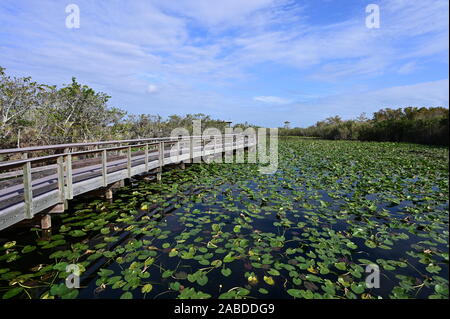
x: 44, y: 184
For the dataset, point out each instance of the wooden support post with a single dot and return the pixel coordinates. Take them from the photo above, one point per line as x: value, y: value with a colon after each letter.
x: 146, y: 157
x: 109, y: 193
x: 46, y: 221
x: 27, y: 190
x: 129, y: 161
x: 104, y: 168
x: 58, y: 208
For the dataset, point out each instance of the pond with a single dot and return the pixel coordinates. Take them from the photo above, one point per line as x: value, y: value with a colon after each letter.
x: 226, y: 231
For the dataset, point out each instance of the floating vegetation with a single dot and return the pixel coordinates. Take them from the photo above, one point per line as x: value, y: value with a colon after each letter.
x: 226, y: 231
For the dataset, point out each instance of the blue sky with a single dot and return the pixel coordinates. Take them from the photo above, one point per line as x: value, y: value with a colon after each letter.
x: 261, y: 61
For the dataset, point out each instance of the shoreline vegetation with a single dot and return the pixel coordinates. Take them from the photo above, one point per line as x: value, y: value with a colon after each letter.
x: 33, y: 114
x: 411, y: 125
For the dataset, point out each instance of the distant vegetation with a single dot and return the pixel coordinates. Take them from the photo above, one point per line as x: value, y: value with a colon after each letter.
x: 411, y: 124
x: 38, y: 114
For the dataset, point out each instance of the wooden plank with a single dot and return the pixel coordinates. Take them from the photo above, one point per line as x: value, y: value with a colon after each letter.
x: 11, y: 216
x: 14, y: 214
x: 19, y: 172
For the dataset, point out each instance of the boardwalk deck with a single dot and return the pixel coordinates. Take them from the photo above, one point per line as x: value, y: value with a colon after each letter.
x: 39, y: 189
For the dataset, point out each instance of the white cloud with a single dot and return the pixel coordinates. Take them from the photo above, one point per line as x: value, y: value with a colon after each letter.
x: 151, y: 88
x: 272, y: 99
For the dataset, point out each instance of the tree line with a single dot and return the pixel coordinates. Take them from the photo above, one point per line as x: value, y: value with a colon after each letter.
x: 411, y: 124
x: 33, y: 114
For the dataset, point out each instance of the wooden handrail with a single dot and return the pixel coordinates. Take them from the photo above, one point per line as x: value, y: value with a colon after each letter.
x: 19, y: 163
x: 73, y: 145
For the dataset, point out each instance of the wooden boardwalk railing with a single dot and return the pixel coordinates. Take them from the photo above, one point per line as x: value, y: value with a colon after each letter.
x: 33, y: 185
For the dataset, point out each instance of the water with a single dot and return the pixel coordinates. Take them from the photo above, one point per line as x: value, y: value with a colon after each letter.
x: 297, y: 227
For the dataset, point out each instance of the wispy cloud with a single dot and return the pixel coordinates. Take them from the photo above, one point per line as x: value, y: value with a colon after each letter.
x: 271, y: 99
x: 151, y: 88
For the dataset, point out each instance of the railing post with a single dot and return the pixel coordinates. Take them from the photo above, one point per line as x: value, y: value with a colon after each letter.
x: 146, y: 157
x: 104, y: 168
x: 202, y: 146
x: 69, y: 181
x: 178, y: 149
x: 191, y: 148
x: 27, y: 190
x: 160, y: 160
x: 60, y: 172
x: 129, y: 161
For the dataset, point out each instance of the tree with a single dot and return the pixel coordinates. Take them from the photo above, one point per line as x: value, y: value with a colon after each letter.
x: 76, y: 113
x: 19, y: 97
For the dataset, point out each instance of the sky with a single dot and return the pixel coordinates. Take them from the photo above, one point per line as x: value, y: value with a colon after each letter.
x: 260, y: 61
